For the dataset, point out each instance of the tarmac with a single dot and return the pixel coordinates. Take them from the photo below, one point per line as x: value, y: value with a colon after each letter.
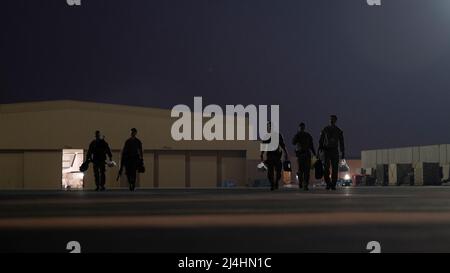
x: 400, y: 219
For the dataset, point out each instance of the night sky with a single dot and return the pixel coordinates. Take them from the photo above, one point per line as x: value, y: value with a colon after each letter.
x: 385, y: 71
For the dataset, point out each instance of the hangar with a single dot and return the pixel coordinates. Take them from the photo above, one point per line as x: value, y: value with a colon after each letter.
x: 43, y: 143
x: 426, y: 165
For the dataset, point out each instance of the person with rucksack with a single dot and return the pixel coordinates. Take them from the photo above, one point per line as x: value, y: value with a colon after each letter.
x: 304, y: 147
x: 330, y: 143
x: 98, y: 150
x: 132, y: 159
x: 273, y: 161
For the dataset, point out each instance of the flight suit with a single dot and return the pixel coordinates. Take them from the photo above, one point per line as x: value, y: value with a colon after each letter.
x: 274, y: 164
x: 131, y: 159
x: 331, y: 141
x: 98, y: 150
x: 305, y: 147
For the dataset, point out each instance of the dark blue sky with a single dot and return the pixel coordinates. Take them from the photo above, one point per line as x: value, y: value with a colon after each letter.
x: 385, y: 71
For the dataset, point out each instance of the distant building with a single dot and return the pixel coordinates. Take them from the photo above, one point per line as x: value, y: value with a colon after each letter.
x: 418, y: 165
x: 407, y: 155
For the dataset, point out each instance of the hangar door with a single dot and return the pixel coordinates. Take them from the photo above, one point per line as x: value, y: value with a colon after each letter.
x: 199, y: 169
x: 233, y: 168
x: 203, y: 169
x: 171, y: 169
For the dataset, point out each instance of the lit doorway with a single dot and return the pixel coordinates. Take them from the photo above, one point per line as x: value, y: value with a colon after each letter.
x: 72, y: 178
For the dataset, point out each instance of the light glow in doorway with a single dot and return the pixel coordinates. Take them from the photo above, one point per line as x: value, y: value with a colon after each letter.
x: 72, y: 178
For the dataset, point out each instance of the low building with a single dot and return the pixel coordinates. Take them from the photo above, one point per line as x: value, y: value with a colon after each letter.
x: 407, y: 155
x: 43, y: 143
x: 418, y: 165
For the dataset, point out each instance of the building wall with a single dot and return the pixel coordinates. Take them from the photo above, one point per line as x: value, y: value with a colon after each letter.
x: 67, y: 124
x: 42, y: 170
x: 233, y: 168
x: 172, y: 170
x: 203, y: 170
x: 408, y: 155
x: 31, y: 170
x: 355, y: 165
x: 12, y: 170
x: 35, y: 169
x: 31, y: 156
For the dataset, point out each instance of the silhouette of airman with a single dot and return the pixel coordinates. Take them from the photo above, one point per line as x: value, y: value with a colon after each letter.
x: 273, y: 160
x: 132, y: 158
x: 304, y: 147
x: 331, y: 141
x: 98, y: 150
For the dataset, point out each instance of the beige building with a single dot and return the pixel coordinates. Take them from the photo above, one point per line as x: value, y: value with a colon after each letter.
x: 428, y: 165
x: 43, y: 143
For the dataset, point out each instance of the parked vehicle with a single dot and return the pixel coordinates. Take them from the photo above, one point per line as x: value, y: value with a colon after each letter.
x: 345, y: 178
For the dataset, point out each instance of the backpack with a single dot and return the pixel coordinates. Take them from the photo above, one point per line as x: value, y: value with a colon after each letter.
x: 85, y: 166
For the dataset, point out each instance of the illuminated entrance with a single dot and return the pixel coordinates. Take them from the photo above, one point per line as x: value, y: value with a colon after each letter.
x: 72, y: 178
